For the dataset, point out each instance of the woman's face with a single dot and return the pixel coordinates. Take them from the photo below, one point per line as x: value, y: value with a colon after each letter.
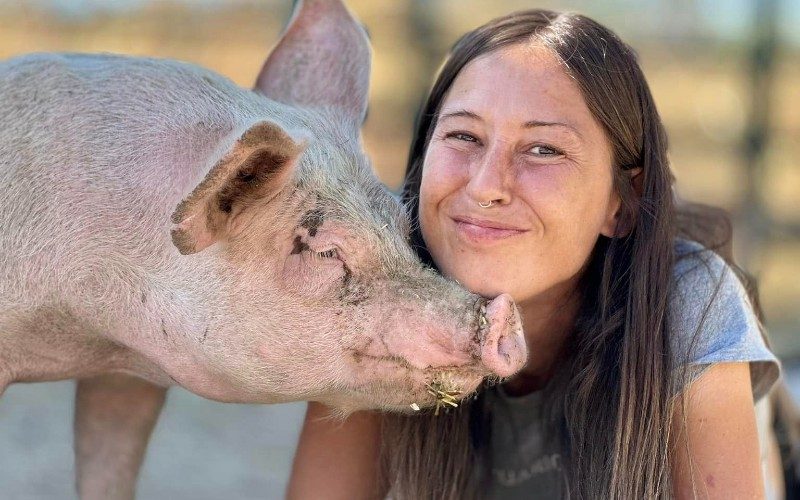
x: 515, y: 130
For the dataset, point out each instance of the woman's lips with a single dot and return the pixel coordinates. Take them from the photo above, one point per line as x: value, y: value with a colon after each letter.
x: 484, y: 231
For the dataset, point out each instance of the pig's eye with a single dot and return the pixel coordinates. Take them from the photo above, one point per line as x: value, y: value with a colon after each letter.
x: 328, y: 254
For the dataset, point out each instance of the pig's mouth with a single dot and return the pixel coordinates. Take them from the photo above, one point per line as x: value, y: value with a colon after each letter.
x: 407, y: 389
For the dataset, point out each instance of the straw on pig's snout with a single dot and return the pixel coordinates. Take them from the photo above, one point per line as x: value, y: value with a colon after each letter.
x: 445, y: 396
x: 443, y: 388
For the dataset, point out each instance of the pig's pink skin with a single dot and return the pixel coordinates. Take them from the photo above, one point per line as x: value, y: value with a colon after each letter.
x: 500, y: 349
x: 160, y: 221
x: 465, y: 355
x: 91, y: 282
x: 503, y: 350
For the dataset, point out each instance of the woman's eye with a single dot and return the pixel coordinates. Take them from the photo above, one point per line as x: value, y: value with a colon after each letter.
x: 328, y: 254
x: 461, y: 136
x: 544, y: 151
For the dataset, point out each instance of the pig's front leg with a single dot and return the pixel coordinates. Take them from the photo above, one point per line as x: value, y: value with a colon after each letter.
x: 114, y: 416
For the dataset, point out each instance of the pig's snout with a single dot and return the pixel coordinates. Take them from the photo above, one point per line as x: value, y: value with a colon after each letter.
x: 503, y: 350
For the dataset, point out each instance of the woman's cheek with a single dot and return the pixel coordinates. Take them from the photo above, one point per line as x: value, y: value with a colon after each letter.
x: 442, y: 174
x: 551, y: 181
x: 444, y: 168
x: 555, y: 194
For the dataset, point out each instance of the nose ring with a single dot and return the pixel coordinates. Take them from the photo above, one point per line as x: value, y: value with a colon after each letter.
x: 491, y: 202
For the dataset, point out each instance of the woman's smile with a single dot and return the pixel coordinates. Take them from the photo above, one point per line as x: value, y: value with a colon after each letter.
x: 483, y: 231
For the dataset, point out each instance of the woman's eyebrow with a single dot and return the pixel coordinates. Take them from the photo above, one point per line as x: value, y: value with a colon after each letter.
x: 463, y: 113
x: 539, y: 123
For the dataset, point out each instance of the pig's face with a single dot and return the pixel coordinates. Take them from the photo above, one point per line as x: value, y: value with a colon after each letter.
x: 319, y: 295
x: 328, y: 301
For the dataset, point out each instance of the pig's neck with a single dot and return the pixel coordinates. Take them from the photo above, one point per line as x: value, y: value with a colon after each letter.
x: 180, y: 307
x: 147, y: 327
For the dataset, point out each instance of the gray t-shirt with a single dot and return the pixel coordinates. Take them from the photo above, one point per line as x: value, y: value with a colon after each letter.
x: 711, y: 319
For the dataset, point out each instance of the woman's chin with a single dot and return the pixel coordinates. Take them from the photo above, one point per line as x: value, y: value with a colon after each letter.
x: 483, y: 280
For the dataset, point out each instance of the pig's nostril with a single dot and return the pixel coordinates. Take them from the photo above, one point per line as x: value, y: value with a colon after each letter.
x: 503, y: 351
x: 505, y: 354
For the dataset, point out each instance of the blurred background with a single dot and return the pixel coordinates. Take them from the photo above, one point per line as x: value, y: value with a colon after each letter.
x: 726, y: 78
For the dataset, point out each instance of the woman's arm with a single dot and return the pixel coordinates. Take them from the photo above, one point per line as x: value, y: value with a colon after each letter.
x: 716, y: 454
x: 337, y: 459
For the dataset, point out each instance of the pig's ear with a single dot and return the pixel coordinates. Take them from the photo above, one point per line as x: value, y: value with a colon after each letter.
x: 257, y: 167
x: 322, y: 59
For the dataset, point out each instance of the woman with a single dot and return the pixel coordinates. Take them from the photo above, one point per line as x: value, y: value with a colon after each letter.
x: 539, y: 168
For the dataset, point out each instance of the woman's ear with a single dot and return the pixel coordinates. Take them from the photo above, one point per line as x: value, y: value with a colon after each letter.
x: 619, y: 219
x: 611, y: 222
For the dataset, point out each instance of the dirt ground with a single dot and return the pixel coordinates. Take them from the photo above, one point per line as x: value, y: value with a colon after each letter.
x: 200, y: 450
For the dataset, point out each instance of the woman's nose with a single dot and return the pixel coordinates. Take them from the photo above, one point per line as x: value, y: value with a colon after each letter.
x: 489, y: 177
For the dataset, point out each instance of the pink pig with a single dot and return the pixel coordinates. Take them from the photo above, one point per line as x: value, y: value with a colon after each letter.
x: 162, y: 226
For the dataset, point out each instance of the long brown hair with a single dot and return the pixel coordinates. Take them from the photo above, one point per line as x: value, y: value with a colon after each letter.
x: 617, y: 445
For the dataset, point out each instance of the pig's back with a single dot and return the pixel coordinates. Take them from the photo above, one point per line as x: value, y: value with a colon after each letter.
x: 96, y: 151
x: 128, y: 118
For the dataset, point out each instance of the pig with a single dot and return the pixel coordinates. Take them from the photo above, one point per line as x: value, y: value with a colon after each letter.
x: 162, y: 226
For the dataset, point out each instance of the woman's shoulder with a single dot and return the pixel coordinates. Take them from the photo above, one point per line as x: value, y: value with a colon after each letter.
x: 702, y: 278
x: 712, y: 318
x: 693, y: 261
